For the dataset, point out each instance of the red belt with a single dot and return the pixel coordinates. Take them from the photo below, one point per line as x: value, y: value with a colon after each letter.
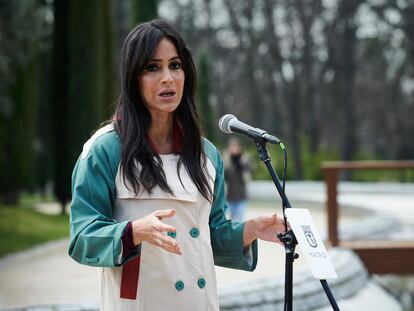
x: 129, y: 279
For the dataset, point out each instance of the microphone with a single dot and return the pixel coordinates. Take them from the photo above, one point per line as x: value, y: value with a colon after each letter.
x: 230, y: 124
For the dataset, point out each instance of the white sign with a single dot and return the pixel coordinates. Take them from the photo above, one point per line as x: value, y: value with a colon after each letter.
x: 310, y: 243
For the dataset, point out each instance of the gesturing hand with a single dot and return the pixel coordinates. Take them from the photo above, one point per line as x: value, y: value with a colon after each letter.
x: 151, y: 229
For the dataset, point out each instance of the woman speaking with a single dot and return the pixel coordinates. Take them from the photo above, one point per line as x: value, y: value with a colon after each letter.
x: 148, y: 201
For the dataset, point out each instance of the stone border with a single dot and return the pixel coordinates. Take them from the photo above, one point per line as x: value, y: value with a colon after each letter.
x: 308, y: 294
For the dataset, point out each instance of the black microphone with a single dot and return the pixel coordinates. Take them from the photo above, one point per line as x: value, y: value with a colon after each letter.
x: 229, y: 124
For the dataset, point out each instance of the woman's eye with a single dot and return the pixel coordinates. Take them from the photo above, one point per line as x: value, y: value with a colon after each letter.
x: 152, y: 67
x: 175, y: 65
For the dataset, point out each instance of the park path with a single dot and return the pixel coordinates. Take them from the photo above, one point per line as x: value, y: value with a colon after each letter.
x: 47, y: 275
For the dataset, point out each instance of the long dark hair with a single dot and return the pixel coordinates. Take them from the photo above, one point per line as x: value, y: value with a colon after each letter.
x: 133, y: 119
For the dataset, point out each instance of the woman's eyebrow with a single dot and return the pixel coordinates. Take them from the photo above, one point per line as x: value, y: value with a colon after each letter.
x: 160, y: 60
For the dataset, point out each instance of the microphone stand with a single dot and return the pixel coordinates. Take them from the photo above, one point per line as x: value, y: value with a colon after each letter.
x: 288, y: 237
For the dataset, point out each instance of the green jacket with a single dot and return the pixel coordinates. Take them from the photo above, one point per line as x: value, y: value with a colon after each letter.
x: 96, y: 237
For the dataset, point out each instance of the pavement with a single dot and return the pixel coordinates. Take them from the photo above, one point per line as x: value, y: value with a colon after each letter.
x: 46, y: 275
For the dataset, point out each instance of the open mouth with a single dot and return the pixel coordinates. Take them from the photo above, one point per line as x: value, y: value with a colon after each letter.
x: 168, y: 93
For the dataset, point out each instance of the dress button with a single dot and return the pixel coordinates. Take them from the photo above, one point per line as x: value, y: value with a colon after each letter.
x: 201, y: 282
x: 179, y: 285
x: 172, y: 234
x: 194, y: 232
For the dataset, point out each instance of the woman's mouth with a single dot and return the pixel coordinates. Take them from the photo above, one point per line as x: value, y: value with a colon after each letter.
x: 167, y: 93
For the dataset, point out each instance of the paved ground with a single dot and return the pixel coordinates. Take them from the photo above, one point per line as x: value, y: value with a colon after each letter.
x: 46, y: 274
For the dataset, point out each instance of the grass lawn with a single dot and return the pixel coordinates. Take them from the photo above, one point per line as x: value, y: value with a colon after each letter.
x: 22, y: 227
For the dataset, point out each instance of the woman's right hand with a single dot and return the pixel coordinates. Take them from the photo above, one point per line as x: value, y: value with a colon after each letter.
x: 151, y: 229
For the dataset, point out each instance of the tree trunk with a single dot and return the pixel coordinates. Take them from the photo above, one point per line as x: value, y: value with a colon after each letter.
x: 60, y: 101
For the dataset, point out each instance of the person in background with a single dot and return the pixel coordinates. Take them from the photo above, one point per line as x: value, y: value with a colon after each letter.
x: 237, y: 171
x: 148, y: 202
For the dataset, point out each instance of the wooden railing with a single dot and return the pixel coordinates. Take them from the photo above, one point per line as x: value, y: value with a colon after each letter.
x: 378, y: 256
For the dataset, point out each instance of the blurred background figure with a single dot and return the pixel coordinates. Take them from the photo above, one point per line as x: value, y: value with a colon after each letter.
x: 237, y: 171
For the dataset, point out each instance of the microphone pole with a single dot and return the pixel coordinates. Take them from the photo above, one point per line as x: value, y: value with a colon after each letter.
x: 229, y: 124
x: 287, y: 238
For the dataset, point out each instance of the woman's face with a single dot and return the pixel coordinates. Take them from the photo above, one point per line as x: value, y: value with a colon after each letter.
x: 162, y: 81
x: 234, y: 147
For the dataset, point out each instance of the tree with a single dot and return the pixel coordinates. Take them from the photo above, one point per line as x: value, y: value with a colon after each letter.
x: 205, y: 109
x: 79, y: 76
x: 22, y: 35
x: 286, y: 84
x: 342, y: 44
x: 144, y: 10
x: 308, y: 13
x: 110, y: 51
x: 305, y: 64
x: 44, y: 141
x: 400, y: 69
x: 60, y: 102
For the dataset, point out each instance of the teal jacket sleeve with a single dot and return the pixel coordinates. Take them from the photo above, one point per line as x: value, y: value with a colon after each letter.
x: 95, y: 236
x: 226, y: 235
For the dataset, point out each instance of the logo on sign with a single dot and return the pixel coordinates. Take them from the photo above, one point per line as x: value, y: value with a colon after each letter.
x: 309, y: 236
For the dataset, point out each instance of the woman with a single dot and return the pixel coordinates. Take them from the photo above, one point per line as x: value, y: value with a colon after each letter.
x: 148, y: 199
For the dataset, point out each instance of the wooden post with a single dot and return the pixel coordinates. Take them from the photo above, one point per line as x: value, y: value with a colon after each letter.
x: 331, y: 179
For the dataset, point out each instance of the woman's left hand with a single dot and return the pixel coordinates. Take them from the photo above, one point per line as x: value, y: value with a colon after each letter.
x: 264, y: 228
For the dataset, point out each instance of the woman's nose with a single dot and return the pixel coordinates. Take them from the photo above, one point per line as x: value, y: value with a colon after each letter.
x: 167, y: 77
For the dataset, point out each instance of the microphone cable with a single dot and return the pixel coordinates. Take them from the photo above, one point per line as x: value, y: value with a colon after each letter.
x: 284, y: 204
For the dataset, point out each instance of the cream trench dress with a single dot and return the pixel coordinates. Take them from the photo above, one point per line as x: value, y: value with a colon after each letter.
x: 102, y: 205
x: 161, y: 271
